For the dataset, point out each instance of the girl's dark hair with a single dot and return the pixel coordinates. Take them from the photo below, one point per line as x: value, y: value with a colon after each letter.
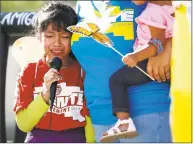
x: 57, y: 13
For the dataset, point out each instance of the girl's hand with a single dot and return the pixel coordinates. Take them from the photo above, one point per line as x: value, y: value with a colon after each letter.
x: 51, y: 76
x: 129, y: 60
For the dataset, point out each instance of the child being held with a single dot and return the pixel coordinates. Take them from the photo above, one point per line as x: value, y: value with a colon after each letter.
x: 155, y: 27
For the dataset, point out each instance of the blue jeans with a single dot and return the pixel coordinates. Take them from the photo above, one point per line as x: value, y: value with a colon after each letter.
x: 152, y: 127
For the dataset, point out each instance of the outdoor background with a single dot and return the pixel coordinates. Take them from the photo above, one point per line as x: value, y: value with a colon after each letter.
x: 13, y: 67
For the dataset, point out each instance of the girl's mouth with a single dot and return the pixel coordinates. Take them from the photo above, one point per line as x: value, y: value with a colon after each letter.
x: 56, y: 51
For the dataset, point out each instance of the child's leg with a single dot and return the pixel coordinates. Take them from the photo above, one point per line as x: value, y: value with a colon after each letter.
x: 120, y: 81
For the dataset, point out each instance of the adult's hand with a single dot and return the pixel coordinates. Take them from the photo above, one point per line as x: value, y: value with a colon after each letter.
x: 159, y: 67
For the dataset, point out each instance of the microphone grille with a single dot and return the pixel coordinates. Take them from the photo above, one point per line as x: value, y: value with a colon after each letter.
x: 56, y: 63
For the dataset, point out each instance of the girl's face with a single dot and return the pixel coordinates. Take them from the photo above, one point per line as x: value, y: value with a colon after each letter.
x: 139, y: 2
x: 56, y: 43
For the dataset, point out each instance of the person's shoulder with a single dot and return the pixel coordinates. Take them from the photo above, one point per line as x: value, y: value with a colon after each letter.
x: 154, y: 9
x: 153, y: 15
x: 29, y: 68
x: 76, y: 64
x: 75, y: 69
x: 26, y: 72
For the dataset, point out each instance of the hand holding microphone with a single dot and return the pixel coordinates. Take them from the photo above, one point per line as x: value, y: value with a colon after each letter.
x: 50, y: 80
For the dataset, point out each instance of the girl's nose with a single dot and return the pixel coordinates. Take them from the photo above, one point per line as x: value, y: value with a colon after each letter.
x: 57, y: 40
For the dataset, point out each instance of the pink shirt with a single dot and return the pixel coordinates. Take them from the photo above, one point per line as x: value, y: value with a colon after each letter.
x: 156, y: 16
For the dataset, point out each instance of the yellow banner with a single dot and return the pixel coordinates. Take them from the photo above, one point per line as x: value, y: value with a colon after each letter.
x: 180, y: 112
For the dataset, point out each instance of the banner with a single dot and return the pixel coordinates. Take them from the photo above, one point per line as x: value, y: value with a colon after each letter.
x: 181, y: 114
x: 17, y: 22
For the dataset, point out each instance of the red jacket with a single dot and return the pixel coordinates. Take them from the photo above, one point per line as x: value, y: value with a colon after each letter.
x: 69, y: 107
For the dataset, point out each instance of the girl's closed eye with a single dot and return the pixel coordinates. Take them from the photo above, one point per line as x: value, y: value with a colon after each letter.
x: 66, y: 37
x: 48, y: 36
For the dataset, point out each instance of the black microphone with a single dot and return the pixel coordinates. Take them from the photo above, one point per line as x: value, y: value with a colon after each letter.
x: 55, y: 63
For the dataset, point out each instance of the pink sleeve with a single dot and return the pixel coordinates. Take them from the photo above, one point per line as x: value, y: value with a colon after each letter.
x: 170, y: 21
x: 159, y: 17
x: 143, y: 37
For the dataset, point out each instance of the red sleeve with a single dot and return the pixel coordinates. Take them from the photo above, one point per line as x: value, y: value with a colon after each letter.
x: 24, y: 88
